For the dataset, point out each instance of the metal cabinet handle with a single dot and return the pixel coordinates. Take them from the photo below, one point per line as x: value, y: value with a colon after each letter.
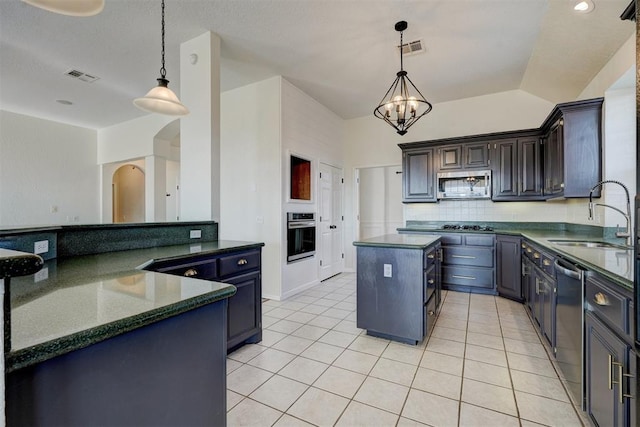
x: 431, y: 255
x: 529, y: 250
x: 620, y: 382
x: 546, y: 262
x: 523, y: 245
x: 610, y: 369
x: 431, y: 313
x: 242, y: 261
x: 455, y: 276
x: 463, y: 256
x: 537, y: 286
x: 536, y: 255
x: 600, y: 299
x: 191, y: 272
x: 431, y: 281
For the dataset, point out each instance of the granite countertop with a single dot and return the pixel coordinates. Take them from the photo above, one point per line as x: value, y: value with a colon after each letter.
x: 14, y: 263
x: 615, y: 264
x: 403, y: 241
x: 75, y: 302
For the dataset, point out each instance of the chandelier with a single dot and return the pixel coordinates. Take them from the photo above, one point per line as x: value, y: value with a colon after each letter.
x: 403, y: 104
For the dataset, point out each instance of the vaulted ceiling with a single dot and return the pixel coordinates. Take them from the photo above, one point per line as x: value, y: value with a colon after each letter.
x: 341, y: 52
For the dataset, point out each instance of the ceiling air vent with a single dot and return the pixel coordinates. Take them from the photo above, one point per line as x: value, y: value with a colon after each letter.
x: 413, y: 48
x: 76, y: 74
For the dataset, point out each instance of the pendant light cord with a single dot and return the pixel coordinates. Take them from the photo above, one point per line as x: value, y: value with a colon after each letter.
x: 163, y: 71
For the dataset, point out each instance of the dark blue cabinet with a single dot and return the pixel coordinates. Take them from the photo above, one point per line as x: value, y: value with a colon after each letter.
x: 508, y: 267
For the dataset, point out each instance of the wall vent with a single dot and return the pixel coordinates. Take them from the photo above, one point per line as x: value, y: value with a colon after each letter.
x: 413, y: 48
x: 77, y: 74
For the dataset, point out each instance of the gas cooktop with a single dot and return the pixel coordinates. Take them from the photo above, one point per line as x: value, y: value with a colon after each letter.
x: 467, y: 227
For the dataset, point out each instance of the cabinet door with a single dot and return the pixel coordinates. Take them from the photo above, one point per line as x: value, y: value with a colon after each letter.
x: 451, y: 157
x: 548, y: 309
x: 505, y: 170
x: 244, y: 312
x: 554, y: 161
x: 508, y: 274
x: 476, y: 156
x: 418, y: 176
x: 529, y: 168
x: 603, y: 351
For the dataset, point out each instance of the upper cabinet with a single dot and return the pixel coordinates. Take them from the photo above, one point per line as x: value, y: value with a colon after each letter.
x: 572, y: 147
x: 562, y: 158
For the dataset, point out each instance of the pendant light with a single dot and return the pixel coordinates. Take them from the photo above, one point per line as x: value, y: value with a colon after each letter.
x: 403, y: 104
x: 69, y: 7
x: 161, y: 99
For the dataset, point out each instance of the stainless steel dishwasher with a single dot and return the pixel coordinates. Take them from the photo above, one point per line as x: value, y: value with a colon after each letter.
x: 570, y: 326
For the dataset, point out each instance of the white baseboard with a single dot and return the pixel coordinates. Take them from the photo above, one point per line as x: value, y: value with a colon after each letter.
x: 299, y: 289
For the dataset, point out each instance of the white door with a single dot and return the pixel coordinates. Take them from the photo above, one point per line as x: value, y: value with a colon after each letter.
x: 330, y: 221
x: 379, y: 197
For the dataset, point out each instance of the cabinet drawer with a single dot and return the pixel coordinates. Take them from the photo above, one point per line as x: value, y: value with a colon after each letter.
x: 451, y: 239
x: 468, y: 276
x: 238, y: 263
x: 430, y: 256
x: 479, y: 240
x: 204, y: 269
x: 546, y: 264
x: 608, y: 305
x: 479, y: 257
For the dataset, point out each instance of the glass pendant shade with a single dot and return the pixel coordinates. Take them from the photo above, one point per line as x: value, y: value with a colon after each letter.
x: 69, y: 7
x: 403, y: 104
x: 161, y: 100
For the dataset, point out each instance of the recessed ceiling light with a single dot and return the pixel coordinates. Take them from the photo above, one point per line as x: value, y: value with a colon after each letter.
x: 584, y: 6
x: 64, y: 102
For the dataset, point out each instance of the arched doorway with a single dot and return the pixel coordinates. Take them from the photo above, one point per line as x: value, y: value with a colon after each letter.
x: 128, y: 194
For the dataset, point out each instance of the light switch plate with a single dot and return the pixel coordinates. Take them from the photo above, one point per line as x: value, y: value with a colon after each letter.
x: 388, y: 272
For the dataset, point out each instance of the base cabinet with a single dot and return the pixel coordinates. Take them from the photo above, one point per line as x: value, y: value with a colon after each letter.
x: 508, y: 267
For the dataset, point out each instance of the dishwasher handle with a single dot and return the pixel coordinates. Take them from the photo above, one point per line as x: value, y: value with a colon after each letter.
x: 569, y: 270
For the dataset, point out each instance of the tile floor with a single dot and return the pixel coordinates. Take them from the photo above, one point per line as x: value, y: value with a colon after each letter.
x: 484, y: 365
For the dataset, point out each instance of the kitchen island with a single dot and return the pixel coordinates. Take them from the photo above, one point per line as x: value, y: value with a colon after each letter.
x: 398, y: 282
x: 93, y: 339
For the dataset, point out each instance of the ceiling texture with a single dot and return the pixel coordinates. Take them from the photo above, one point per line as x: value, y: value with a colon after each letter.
x: 343, y: 53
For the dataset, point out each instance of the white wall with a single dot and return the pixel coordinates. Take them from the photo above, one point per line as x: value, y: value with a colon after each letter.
x: 312, y: 131
x: 250, y: 165
x: 45, y: 164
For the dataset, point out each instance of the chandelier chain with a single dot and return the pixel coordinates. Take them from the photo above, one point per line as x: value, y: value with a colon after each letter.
x: 163, y: 71
x: 401, y: 49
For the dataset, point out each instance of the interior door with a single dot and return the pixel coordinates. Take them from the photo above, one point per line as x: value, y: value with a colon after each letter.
x: 330, y: 221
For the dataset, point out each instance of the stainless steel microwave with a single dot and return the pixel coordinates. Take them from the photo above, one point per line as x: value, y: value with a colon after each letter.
x: 464, y: 184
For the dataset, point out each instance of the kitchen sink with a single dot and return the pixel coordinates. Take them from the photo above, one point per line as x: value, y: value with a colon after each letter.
x: 590, y: 244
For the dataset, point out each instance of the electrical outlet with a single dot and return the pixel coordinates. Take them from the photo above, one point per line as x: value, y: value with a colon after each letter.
x: 195, y: 234
x: 41, y: 247
x: 388, y: 272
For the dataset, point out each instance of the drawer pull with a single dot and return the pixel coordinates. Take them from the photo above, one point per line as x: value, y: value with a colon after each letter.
x: 536, y: 255
x: 431, y: 281
x: 192, y: 272
x: 546, y: 262
x: 432, y: 255
x: 455, y: 276
x: 601, y: 299
x: 242, y: 261
x: 431, y: 313
x: 524, y: 246
x: 463, y: 256
x: 529, y: 250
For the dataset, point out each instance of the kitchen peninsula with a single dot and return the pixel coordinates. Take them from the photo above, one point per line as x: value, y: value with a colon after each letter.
x: 130, y: 346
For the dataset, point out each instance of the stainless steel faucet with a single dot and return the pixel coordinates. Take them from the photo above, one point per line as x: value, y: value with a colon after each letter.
x: 627, y: 216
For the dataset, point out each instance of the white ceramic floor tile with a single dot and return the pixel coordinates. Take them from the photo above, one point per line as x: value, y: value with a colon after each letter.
x: 310, y: 332
x: 359, y: 415
x: 280, y: 313
x: 340, y: 381
x: 394, y: 371
x: 449, y: 333
x: 486, y: 355
x: 285, y: 326
x: 451, y: 323
x: 356, y: 361
x: 343, y: 305
x: 314, y: 309
x: 546, y: 411
x: 535, y: 365
x: 271, y: 360
x: 324, y: 321
x: 539, y: 385
x: 489, y: 396
x: 337, y: 338
x: 319, y: 407
x: 483, y: 328
x: 268, y: 321
x: 337, y: 313
x: 451, y: 348
x: 348, y: 326
x: 304, y: 299
x: 369, y: 345
x: 528, y: 348
x: 279, y: 392
x: 406, y: 422
x: 303, y: 370
x: 442, y: 362
x: 403, y: 353
x: 484, y: 340
x: 474, y: 416
x: 322, y: 352
x: 301, y: 317
x: 292, y: 305
x: 293, y: 345
x: 430, y: 409
x: 437, y: 382
x: 326, y: 302
x: 246, y: 379
x: 487, y: 373
x: 270, y: 337
x: 233, y: 399
x: 246, y: 353
x: 287, y: 420
x: 232, y: 365
x: 251, y: 413
x: 382, y: 394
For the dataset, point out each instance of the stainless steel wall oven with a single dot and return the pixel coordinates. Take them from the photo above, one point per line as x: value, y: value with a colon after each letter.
x: 301, y: 235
